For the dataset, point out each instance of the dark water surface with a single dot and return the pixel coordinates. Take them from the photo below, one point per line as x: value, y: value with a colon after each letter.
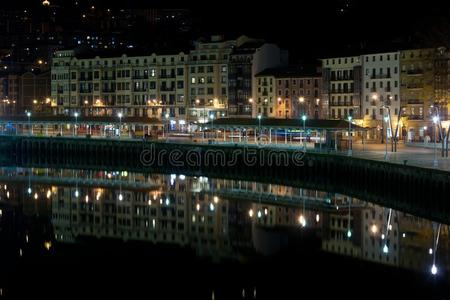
x: 75, y: 233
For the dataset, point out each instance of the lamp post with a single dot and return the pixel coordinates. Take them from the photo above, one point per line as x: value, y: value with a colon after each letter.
x: 29, y: 122
x: 75, y: 126
x: 259, y: 128
x: 386, y: 119
x: 435, y: 122
x: 301, y: 100
x: 304, y: 132
x: 120, y: 115
x: 212, y: 125
x: 168, y: 127
x: 350, y: 144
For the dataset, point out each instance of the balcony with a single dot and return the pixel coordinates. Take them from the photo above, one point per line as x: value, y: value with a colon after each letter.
x: 380, y: 76
x: 139, y: 90
x: 414, y: 86
x: 373, y: 103
x: 415, y: 117
x: 415, y: 72
x: 109, y: 78
x: 164, y: 76
x: 108, y: 90
x: 373, y: 89
x: 341, y: 78
x: 387, y: 102
x: 167, y: 89
x: 85, y: 78
x: 415, y: 102
x: 85, y: 91
x: 388, y: 89
x: 140, y: 77
x: 342, y: 91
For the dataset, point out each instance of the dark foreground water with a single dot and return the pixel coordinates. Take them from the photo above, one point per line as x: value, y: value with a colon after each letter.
x: 74, y: 233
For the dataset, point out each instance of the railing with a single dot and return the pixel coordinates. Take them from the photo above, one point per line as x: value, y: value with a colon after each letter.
x: 388, y: 89
x: 140, y: 90
x: 341, y: 78
x: 373, y: 103
x: 167, y: 76
x: 342, y: 91
x: 85, y: 90
x: 109, y: 78
x: 167, y: 89
x: 373, y: 90
x: 380, y: 76
x: 108, y: 90
x: 140, y: 77
x: 415, y: 117
x: 415, y: 101
x: 415, y: 72
x: 414, y: 86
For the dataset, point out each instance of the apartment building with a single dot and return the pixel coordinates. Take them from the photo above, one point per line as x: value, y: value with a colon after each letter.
x: 289, y: 92
x: 342, y: 84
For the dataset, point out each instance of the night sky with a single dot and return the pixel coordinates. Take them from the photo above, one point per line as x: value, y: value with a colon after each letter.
x: 312, y: 29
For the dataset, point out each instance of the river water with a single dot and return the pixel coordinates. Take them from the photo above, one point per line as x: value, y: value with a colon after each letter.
x: 84, y: 233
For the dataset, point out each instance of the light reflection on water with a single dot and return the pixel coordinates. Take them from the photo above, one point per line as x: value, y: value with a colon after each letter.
x: 216, y: 218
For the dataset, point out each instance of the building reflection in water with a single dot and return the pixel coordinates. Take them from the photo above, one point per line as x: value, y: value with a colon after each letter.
x: 222, y: 219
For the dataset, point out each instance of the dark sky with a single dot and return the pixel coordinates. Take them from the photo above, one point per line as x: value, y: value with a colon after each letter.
x: 313, y: 28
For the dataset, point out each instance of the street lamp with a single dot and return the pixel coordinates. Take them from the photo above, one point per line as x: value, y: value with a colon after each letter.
x: 168, y: 127
x: 435, y: 122
x: 259, y: 128
x: 301, y: 100
x: 75, y: 127
x: 29, y: 122
x: 304, y: 131
x: 350, y: 144
x: 212, y: 124
x: 120, y: 115
x: 386, y: 119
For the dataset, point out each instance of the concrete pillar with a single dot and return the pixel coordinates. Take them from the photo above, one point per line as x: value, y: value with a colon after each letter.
x: 46, y: 129
x: 61, y: 129
x: 224, y: 134
x: 240, y: 135
x: 255, y: 136
x: 270, y: 135
x: 285, y: 136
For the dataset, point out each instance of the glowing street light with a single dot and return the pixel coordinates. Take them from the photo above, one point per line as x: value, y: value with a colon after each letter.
x: 76, y: 121
x: 435, y: 122
x: 29, y: 122
x: 386, y: 119
x: 259, y: 128
x: 120, y: 115
x: 350, y: 145
x: 304, y: 117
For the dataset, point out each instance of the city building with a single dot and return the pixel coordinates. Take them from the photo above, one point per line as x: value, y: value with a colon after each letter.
x: 29, y: 91
x: 144, y: 86
x: 289, y: 92
x: 381, y: 91
x: 342, y: 86
x: 208, y: 79
x: 249, y: 57
x: 417, y: 91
